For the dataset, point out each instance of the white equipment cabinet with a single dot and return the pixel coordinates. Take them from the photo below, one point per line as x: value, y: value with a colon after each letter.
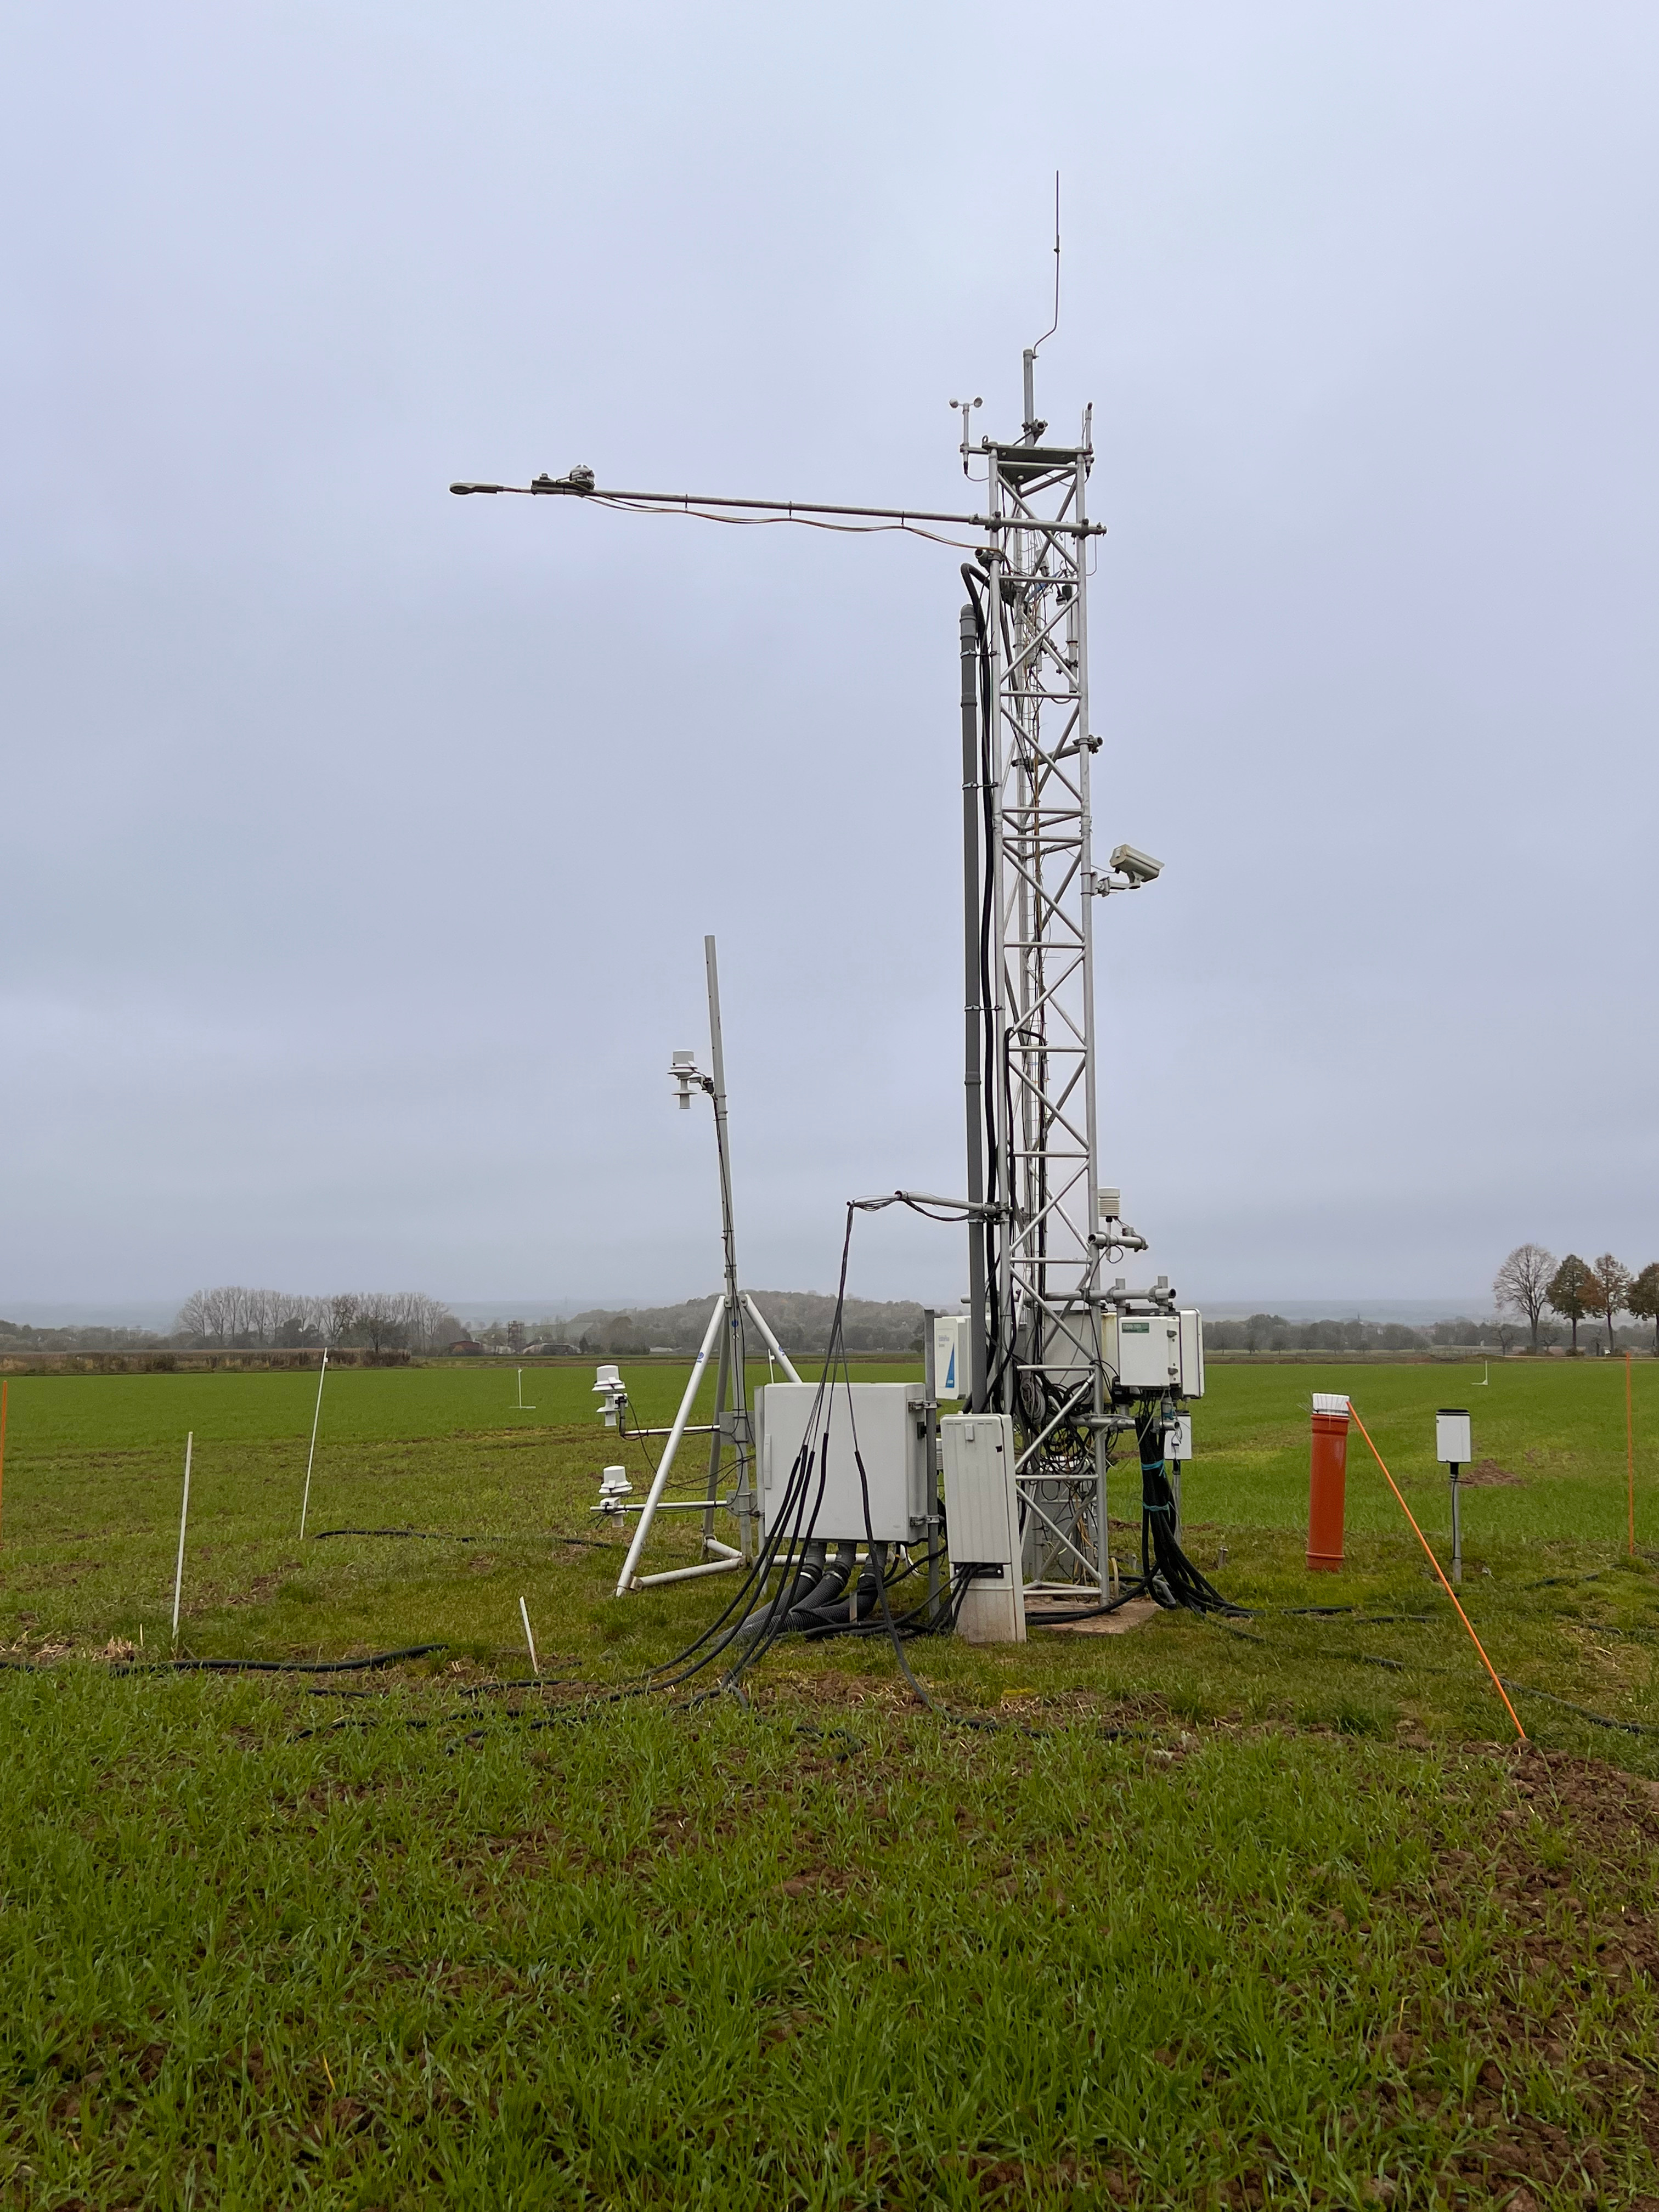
x: 893, y: 1441
x: 981, y: 1523
x: 1155, y: 1351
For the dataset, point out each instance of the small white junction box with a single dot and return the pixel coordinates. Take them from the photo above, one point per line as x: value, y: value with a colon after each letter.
x: 981, y: 1524
x: 1452, y: 1445
x: 951, y: 1356
x: 891, y: 1431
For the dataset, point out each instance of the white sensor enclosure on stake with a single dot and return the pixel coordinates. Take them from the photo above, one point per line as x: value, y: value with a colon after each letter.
x: 889, y: 1421
x: 1451, y: 1437
x: 612, y: 1393
x: 981, y: 1525
x: 614, y: 1486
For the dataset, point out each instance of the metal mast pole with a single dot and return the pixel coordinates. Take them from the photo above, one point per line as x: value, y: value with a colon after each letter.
x: 973, y: 1080
x: 731, y: 1408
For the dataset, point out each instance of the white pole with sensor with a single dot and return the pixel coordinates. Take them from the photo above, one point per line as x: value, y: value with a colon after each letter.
x: 664, y: 1464
x: 1452, y: 1449
x: 184, y: 1516
x: 304, y: 1503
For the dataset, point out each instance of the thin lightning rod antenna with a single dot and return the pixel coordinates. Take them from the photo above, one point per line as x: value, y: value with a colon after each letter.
x: 1053, y: 326
x: 1033, y: 428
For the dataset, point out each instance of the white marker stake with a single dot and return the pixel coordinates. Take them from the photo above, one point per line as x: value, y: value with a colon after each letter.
x: 523, y: 1408
x: 184, y: 1516
x: 523, y: 1613
x: 310, y: 1457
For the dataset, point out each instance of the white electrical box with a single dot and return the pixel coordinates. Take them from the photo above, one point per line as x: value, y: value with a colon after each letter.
x: 951, y: 1356
x: 1451, y: 1437
x: 981, y: 1525
x: 1144, y: 1350
x: 891, y: 1431
x: 1155, y: 1351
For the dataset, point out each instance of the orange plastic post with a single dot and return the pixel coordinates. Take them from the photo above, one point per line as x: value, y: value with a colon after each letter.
x: 1327, y: 1483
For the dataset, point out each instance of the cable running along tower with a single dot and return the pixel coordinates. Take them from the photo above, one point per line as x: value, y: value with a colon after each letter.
x: 1043, y: 1343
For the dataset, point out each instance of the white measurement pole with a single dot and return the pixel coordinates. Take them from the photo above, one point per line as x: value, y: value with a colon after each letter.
x: 523, y: 1408
x: 305, y: 1501
x: 716, y: 1315
x: 184, y: 1516
x: 523, y: 1614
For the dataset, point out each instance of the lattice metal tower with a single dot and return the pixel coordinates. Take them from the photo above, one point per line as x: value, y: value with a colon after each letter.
x: 1041, y: 1243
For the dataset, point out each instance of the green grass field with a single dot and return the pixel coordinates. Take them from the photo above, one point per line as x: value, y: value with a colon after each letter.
x: 1268, y: 1911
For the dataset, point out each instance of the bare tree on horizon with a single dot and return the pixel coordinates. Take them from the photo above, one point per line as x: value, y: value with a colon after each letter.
x: 1522, y: 1285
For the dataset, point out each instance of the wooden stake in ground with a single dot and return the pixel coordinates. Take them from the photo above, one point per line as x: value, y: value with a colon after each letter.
x: 1630, y: 1455
x: 184, y: 1516
x: 305, y: 1501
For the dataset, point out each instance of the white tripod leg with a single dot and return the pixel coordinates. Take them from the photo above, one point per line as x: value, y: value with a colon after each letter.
x: 648, y: 1511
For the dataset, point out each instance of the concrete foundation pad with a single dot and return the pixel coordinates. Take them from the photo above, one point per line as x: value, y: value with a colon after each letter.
x: 1135, y: 1614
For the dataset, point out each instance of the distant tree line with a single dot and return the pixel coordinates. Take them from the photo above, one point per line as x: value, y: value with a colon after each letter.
x: 1270, y: 1331
x: 233, y: 1318
x: 799, y: 1319
x: 23, y: 1336
x: 1533, y: 1281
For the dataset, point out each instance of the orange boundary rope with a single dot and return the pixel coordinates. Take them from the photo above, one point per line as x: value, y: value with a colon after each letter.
x: 1444, y: 1584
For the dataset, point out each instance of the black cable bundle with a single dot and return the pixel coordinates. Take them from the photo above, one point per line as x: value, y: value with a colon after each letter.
x: 1167, y: 1573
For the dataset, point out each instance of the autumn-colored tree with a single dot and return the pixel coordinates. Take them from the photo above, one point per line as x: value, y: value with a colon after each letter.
x: 1522, y: 1285
x: 1610, y: 1291
x: 1642, y: 1298
x: 1569, y: 1293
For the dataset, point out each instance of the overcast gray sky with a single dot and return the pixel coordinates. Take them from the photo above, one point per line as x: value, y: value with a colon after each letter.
x: 356, y: 842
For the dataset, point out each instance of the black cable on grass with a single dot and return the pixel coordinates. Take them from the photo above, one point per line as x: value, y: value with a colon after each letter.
x: 1515, y: 1689
x: 1601, y: 1720
x: 536, y: 1684
x: 441, y: 1536
x: 279, y: 1666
